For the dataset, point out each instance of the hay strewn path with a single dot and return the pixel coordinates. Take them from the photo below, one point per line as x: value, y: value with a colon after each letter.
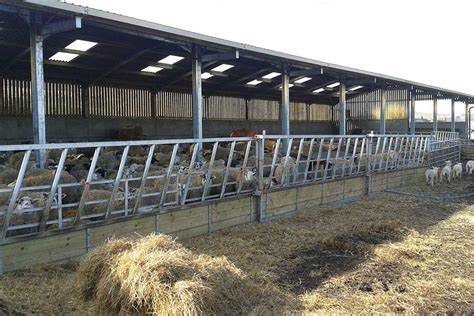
x: 388, y: 253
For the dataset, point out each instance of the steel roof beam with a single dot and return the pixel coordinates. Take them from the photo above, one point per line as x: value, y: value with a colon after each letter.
x: 220, y: 56
x: 62, y: 26
x: 119, y: 65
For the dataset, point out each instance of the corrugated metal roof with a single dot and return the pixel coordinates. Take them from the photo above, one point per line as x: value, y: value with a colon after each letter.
x: 165, y: 32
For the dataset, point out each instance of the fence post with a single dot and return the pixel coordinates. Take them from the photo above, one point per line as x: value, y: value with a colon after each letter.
x: 370, y: 141
x: 260, y: 183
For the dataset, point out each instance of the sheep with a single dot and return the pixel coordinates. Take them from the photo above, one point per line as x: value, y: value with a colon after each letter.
x: 108, y: 160
x: 140, y: 160
x: 267, y: 162
x: 24, y: 212
x: 446, y: 172
x: 139, y: 151
x: 97, y: 208
x: 76, y: 161
x: 284, y: 171
x: 15, y: 160
x: 196, y: 183
x: 4, y: 196
x: 46, y: 178
x: 432, y: 175
x: 54, y: 155
x: 3, y: 158
x: 457, y: 171
x: 236, y: 175
x: 470, y: 167
x: 245, y: 176
x: 218, y: 163
x: 338, y: 164
x: 8, y: 175
x: 164, y: 149
x: 161, y: 159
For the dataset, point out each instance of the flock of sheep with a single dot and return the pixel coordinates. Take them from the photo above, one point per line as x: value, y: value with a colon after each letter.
x: 232, y: 171
x: 448, y: 172
x: 163, y: 184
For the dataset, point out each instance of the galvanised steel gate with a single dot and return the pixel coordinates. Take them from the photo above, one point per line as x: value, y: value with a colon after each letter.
x: 88, y: 182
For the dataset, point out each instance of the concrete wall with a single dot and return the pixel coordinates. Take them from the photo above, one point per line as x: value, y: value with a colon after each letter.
x: 19, y: 129
x: 72, y: 244
x: 391, y: 125
x: 15, y: 130
x: 442, y: 126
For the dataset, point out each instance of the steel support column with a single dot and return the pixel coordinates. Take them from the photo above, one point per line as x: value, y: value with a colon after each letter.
x: 407, y: 108
x: 435, y: 114
x: 197, y: 93
x: 37, y: 87
x: 412, y: 112
x: 383, y: 104
x: 342, y: 108
x: 453, y: 115
x: 285, y: 105
x: 2, y: 105
x: 466, y: 119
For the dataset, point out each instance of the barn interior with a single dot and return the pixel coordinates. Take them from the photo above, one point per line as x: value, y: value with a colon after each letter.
x: 95, y: 73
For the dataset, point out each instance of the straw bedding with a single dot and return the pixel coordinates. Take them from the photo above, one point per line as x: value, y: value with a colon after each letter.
x: 385, y: 254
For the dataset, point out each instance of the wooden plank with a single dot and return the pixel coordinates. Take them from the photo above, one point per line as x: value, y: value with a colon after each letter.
x: 310, y: 192
x: 333, y: 198
x: 190, y: 232
x: 131, y: 228
x: 181, y: 220
x: 53, y: 249
x: 230, y: 222
x: 333, y: 188
x: 354, y: 193
x: 379, y: 188
x: 309, y: 204
x: 282, y: 198
x: 231, y: 209
x: 276, y: 203
x: 355, y: 184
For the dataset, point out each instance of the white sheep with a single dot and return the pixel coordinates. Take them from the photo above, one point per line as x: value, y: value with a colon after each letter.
x: 284, y: 172
x: 457, y: 171
x: 431, y: 175
x: 470, y: 167
x: 446, y: 172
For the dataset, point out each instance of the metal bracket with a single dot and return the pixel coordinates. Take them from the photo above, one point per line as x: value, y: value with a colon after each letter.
x: 62, y: 26
x: 221, y: 56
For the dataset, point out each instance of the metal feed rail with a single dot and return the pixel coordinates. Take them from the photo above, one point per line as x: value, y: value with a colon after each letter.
x: 310, y: 158
x: 179, y: 172
x: 445, y: 136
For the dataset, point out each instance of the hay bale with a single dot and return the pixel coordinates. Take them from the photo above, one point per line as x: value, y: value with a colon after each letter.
x: 156, y: 275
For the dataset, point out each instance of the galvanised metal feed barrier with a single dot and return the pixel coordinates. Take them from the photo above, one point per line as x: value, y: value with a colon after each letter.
x: 87, y: 182
x: 444, y: 146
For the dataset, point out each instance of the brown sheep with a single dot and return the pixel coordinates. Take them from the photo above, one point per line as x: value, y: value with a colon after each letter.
x: 8, y: 175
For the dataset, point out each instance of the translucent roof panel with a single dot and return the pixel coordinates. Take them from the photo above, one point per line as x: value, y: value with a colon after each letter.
x: 81, y: 45
x: 64, y: 57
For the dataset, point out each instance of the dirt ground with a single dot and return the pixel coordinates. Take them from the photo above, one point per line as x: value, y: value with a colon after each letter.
x: 387, y: 253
